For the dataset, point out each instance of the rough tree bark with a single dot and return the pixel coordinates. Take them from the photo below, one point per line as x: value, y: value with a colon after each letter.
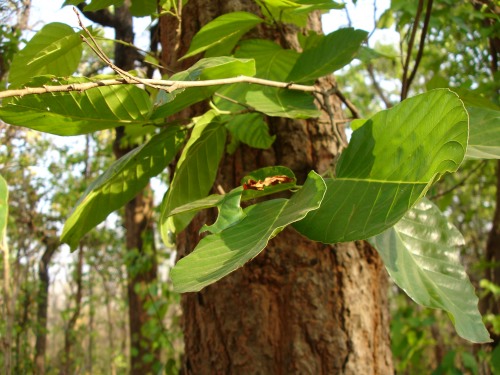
x: 300, y: 307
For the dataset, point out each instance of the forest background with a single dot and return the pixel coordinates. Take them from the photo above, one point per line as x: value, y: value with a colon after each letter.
x: 71, y: 312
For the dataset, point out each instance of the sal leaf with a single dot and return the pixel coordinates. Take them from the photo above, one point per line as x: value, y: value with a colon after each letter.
x: 421, y: 253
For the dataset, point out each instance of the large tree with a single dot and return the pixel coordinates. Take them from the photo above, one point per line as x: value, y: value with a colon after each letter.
x: 300, y: 307
x: 259, y: 122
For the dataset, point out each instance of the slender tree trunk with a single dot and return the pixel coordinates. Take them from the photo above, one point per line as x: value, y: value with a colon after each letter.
x: 489, y: 304
x: 68, y: 365
x: 300, y: 307
x: 138, y: 212
x: 51, y: 245
x: 137, y: 220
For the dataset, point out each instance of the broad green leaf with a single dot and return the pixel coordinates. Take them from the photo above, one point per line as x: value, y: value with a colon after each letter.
x: 143, y: 8
x: 195, y: 172
x: 295, y: 12
x: 56, y: 49
x: 422, y: 256
x: 217, y: 255
x: 73, y: 113
x: 271, y: 61
x: 389, y: 164
x: 251, y: 129
x: 120, y: 183
x: 282, y: 103
x: 206, y: 69
x: 484, y: 141
x: 334, y: 52
x: 259, y: 174
x: 230, y: 212
x: 101, y: 4
x: 224, y: 31
x: 4, y: 210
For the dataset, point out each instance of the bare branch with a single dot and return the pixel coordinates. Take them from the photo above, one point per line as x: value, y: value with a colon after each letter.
x: 162, y: 84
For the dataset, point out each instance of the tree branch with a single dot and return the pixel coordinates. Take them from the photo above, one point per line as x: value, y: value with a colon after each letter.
x: 167, y: 85
x: 406, y: 67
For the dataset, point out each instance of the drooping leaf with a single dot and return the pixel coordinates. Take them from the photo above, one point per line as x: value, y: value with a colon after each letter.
x: 4, y: 210
x: 230, y: 212
x: 484, y: 140
x: 333, y: 52
x: 282, y: 103
x: 422, y: 256
x: 271, y: 60
x: 56, y: 49
x: 259, y: 174
x: 223, y: 33
x: 120, y: 183
x: 389, y: 164
x: 294, y: 12
x: 205, y: 69
x: 73, y: 113
x: 219, y: 254
x: 195, y: 172
x: 251, y: 129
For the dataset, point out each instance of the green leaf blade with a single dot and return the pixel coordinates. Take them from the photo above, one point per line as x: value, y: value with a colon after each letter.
x: 120, y: 183
x: 224, y: 31
x: 421, y: 254
x: 74, y: 113
x: 56, y: 49
x: 195, y: 172
x: 220, y: 254
x: 389, y: 164
x: 484, y: 142
x: 333, y: 52
x: 4, y: 210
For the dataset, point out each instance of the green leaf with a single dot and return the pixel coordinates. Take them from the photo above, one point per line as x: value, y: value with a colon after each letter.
x: 389, y: 164
x: 333, y: 52
x: 271, y: 61
x: 282, y: 103
x: 56, y: 49
x: 285, y: 11
x: 143, y: 8
x: 223, y: 32
x: 217, y: 255
x: 4, y: 210
x: 259, y: 174
x: 422, y: 256
x: 251, y: 129
x: 484, y: 141
x: 195, y: 172
x: 206, y: 69
x: 120, y: 183
x: 230, y: 212
x: 73, y: 113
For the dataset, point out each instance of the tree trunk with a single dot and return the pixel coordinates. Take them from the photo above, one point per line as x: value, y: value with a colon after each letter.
x: 68, y: 362
x: 300, y: 307
x: 51, y: 244
x: 138, y: 212
x: 137, y: 222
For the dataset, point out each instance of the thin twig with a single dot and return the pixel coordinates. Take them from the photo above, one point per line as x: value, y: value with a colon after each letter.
x: 406, y: 67
x: 161, y: 84
x: 421, y: 46
x: 102, y: 55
